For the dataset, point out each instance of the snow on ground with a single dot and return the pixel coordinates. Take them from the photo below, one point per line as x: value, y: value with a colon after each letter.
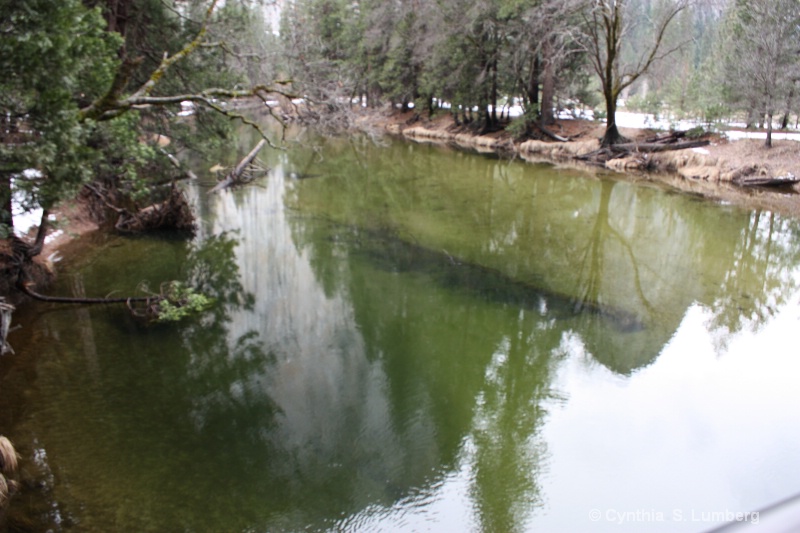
x: 776, y: 135
x: 626, y: 119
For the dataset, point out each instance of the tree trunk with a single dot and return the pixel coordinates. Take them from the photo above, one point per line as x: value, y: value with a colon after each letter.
x: 789, y: 98
x: 533, y: 84
x: 548, y: 85
x: 612, y: 135
x: 6, y: 217
x: 41, y: 233
x: 494, y: 90
x: 768, y: 143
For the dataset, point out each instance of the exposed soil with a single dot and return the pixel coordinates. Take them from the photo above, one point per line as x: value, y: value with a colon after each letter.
x: 72, y: 219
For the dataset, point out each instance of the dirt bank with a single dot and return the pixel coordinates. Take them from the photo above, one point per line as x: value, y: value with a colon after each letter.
x: 711, y: 171
x: 68, y: 222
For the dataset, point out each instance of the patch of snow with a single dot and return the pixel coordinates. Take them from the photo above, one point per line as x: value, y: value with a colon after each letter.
x: 701, y: 151
x: 627, y: 119
x: 776, y: 135
x: 53, y: 236
x: 586, y: 114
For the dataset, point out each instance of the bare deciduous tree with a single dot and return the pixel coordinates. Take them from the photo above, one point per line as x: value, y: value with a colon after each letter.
x: 606, y: 25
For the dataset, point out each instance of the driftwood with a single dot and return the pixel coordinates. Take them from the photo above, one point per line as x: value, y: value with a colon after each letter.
x: 235, y: 176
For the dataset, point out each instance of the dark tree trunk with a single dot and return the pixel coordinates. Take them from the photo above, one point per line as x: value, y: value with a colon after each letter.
x: 768, y: 142
x: 533, y: 84
x: 41, y: 233
x: 494, y: 90
x: 789, y: 99
x: 6, y: 218
x: 612, y: 135
x: 548, y: 86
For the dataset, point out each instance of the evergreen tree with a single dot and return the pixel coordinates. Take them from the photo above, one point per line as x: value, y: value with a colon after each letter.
x: 82, y: 84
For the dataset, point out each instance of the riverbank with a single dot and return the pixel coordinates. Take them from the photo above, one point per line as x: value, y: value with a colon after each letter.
x: 711, y: 171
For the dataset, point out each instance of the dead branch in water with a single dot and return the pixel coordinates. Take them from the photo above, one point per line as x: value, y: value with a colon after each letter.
x: 173, y: 302
x: 235, y: 176
x: 26, y: 289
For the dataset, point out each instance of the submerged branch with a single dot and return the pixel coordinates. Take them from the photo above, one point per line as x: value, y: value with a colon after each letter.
x: 235, y: 176
x: 174, y: 302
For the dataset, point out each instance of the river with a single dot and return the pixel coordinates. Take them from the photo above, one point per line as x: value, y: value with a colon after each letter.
x: 408, y: 337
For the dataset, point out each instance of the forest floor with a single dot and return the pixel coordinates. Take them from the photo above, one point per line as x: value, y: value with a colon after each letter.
x: 709, y: 171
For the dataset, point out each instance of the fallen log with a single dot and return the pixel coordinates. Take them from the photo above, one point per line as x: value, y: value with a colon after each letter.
x: 670, y: 137
x: 615, y: 151
x: 766, y: 181
x: 235, y: 175
x: 657, y: 147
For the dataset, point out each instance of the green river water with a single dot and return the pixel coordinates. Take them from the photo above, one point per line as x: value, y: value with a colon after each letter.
x: 412, y: 338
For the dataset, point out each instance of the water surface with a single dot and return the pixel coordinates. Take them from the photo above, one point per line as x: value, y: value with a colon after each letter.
x: 410, y: 338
